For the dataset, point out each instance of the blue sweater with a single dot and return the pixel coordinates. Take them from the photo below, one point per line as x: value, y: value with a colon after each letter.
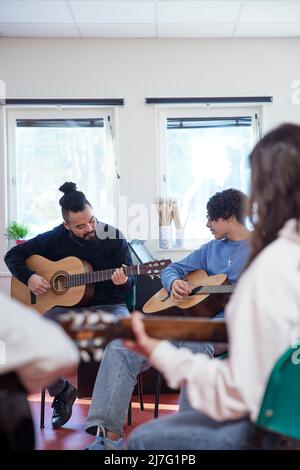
x: 216, y: 257
x: 104, y: 253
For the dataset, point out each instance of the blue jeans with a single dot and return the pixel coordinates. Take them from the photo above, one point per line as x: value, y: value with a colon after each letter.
x: 118, y: 309
x: 115, y: 382
x: 192, y: 430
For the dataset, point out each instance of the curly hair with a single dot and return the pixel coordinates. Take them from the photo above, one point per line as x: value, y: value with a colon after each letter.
x: 275, y: 192
x: 228, y: 203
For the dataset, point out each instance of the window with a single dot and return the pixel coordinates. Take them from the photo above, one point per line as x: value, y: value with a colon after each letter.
x: 48, y: 147
x: 203, y: 151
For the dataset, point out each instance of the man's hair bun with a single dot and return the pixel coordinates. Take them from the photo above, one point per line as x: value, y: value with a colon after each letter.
x: 67, y: 187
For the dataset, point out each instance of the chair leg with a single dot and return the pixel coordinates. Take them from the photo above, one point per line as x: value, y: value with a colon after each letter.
x: 42, y: 416
x: 157, y: 395
x: 129, y: 415
x: 140, y: 390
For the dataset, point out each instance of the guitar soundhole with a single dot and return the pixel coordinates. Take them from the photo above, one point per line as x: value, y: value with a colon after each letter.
x: 57, y: 283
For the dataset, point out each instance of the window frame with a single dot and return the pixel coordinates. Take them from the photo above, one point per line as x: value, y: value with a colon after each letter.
x: 108, y: 113
x: 163, y: 112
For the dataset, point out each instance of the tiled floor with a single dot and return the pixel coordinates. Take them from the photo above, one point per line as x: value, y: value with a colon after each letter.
x: 72, y: 436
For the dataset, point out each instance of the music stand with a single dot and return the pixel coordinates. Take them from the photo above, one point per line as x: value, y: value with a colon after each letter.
x: 140, y: 251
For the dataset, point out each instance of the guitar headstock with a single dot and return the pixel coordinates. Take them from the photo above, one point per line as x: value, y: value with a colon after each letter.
x: 91, y: 331
x: 154, y: 268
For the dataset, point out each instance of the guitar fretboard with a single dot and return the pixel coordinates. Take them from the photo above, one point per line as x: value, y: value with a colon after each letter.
x: 73, y: 280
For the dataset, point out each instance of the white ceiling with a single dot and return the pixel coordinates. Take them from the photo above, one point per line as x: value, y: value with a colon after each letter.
x: 150, y: 18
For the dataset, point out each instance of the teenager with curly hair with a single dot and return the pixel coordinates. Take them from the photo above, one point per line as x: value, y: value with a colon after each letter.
x: 119, y: 368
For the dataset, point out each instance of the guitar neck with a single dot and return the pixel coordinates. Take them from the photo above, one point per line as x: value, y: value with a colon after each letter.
x: 179, y: 329
x: 73, y: 280
x: 94, y: 331
x: 223, y: 289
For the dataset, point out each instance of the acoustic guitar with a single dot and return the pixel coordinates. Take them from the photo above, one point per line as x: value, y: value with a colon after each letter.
x: 71, y: 281
x: 209, y: 295
x: 92, y: 331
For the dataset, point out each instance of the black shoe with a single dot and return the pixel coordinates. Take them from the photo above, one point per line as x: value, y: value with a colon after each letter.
x: 62, y: 406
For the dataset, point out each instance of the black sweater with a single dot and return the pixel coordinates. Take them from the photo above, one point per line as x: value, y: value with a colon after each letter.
x: 111, y: 251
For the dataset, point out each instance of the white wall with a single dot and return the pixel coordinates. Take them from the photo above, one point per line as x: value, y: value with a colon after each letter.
x: 135, y: 69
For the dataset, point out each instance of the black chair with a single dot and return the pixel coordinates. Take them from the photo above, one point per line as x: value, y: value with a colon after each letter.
x: 16, y: 425
x: 220, y: 352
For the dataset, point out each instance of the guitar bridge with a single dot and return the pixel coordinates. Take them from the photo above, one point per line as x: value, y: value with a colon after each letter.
x: 32, y: 298
x: 164, y: 299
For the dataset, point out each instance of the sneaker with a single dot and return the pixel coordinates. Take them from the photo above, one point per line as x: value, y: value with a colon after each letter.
x: 62, y: 406
x: 103, y: 443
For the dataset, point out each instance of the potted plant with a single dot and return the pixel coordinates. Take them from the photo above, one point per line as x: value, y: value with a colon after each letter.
x: 17, y: 231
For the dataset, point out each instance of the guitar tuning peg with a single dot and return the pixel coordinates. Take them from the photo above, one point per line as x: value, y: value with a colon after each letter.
x: 93, y: 318
x: 82, y: 344
x: 85, y: 356
x: 98, y: 353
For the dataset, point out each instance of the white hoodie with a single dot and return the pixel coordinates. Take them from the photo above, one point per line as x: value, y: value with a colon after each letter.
x: 34, y: 347
x: 263, y: 319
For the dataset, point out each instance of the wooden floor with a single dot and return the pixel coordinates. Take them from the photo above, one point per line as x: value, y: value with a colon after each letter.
x: 73, y: 436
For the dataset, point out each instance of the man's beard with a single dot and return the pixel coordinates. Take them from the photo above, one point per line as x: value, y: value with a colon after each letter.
x: 90, y: 235
x: 85, y: 242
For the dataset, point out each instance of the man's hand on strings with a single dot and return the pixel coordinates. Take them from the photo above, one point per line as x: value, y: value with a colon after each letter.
x: 38, y: 285
x: 119, y: 277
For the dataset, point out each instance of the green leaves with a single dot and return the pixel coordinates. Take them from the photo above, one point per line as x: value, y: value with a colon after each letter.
x: 17, y: 231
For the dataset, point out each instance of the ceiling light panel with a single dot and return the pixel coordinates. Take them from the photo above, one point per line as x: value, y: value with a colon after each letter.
x: 112, y: 12
x: 270, y: 11
x: 198, y: 12
x: 33, y: 11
